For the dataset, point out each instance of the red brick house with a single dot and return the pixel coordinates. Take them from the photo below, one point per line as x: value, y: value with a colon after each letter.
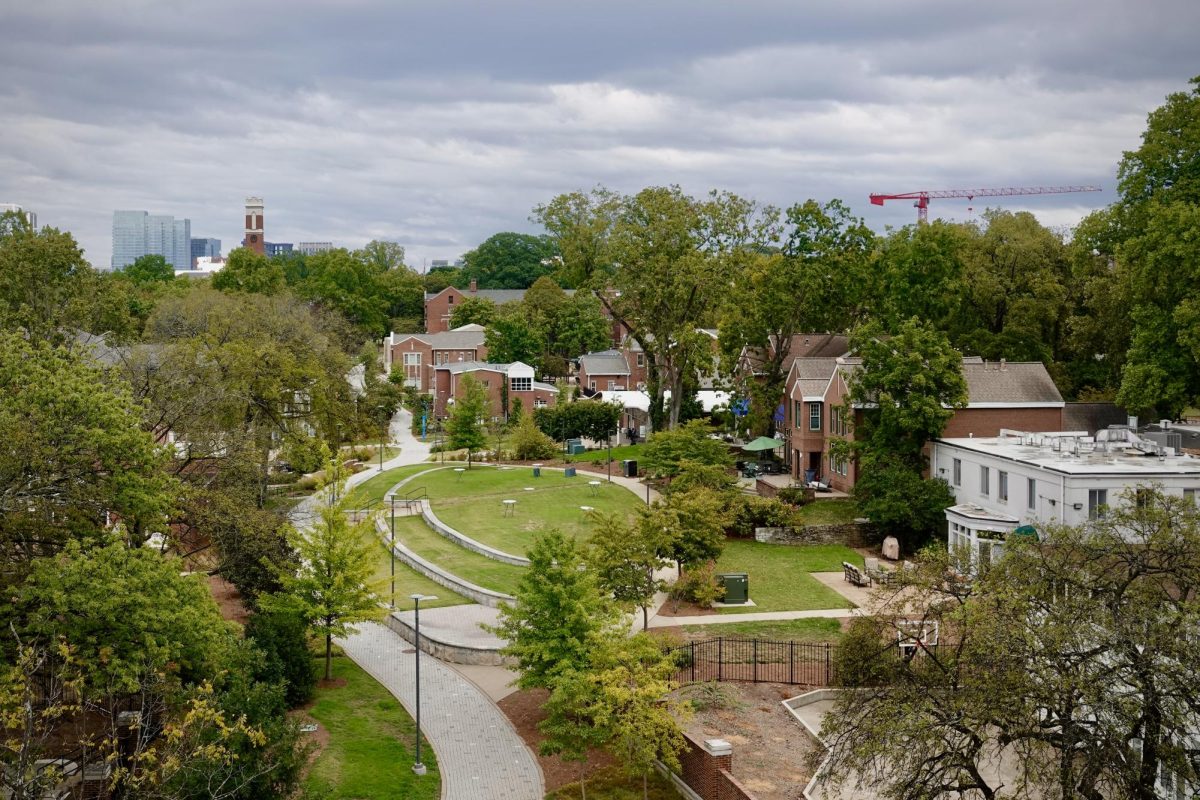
x: 605, y: 371
x: 417, y: 354
x: 999, y: 395
x: 515, y: 380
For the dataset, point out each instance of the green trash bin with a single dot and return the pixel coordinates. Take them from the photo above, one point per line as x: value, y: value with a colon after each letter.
x: 569, y: 472
x: 537, y: 471
x: 737, y: 587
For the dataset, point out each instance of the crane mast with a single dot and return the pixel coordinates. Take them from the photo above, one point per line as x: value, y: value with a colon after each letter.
x: 921, y: 198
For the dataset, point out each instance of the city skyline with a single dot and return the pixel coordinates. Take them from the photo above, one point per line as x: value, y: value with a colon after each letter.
x: 779, y: 102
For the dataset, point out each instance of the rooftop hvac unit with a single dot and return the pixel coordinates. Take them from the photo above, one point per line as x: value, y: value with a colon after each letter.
x: 1168, y: 439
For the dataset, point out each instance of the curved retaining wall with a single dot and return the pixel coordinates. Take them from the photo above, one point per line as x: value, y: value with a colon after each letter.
x: 448, y: 651
x: 463, y: 540
x: 485, y: 597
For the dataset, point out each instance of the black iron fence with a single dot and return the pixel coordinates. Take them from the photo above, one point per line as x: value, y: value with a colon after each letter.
x: 757, y: 660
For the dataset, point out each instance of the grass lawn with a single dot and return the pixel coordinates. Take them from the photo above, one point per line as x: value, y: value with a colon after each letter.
x: 619, y: 454
x: 370, y: 750
x: 828, y: 512
x: 472, y: 504
x: 374, y: 489
x: 460, y: 561
x: 779, y: 579
x: 408, y: 581
x: 614, y: 783
x: 800, y: 630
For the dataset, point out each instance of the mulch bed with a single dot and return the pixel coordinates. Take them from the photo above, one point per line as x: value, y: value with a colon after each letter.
x: 524, y: 709
x: 229, y: 600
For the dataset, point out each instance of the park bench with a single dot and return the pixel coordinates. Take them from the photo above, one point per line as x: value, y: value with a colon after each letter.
x: 854, y: 575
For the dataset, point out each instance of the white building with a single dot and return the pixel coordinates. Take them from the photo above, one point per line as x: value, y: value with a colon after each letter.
x: 1016, y: 479
x: 30, y: 216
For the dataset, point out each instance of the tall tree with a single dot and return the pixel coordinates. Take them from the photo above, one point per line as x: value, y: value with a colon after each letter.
x: 334, y: 586
x: 342, y: 281
x: 43, y: 277
x: 149, y: 269
x: 76, y: 455
x: 467, y: 418
x: 473, y: 311
x: 661, y: 263
x: 1064, y: 658
x: 558, y: 616
x: 1157, y: 227
x: 381, y: 256
x: 816, y: 283
x: 248, y: 271
x: 625, y: 558
x: 509, y: 261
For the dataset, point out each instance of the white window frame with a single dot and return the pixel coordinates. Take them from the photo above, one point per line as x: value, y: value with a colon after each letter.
x: 1097, y: 502
x: 814, y: 419
x: 1002, y: 486
x: 1031, y: 491
x: 519, y: 384
x: 956, y: 471
x: 985, y: 481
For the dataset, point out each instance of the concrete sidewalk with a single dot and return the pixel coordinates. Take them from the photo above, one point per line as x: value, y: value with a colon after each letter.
x: 479, y: 754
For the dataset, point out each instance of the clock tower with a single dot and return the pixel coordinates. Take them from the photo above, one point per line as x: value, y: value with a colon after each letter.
x: 254, y: 226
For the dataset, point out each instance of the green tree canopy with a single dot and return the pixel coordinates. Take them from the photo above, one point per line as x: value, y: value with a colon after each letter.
x: 248, y: 271
x: 467, y: 418
x: 473, y: 311
x: 343, y: 281
x: 625, y: 558
x: 509, y: 261
x: 149, y: 269
x: 558, y: 615
x: 75, y: 453
x: 43, y: 282
x: 667, y: 451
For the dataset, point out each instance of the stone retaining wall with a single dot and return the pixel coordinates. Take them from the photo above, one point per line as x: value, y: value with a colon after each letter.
x: 445, y: 651
x: 485, y: 597
x: 859, y: 533
x: 463, y: 540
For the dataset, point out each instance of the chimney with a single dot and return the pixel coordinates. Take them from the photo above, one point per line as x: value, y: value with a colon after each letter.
x: 474, y: 286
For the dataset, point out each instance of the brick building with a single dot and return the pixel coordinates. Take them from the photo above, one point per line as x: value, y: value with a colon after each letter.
x: 417, y: 354
x: 816, y: 410
x: 502, y: 382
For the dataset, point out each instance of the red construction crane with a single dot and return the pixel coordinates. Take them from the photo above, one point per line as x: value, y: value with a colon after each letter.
x: 922, y: 198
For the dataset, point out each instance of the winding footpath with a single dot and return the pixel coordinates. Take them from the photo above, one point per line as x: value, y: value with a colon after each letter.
x: 479, y: 754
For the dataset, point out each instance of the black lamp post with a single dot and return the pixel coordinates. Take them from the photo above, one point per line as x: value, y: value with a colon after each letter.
x: 418, y: 767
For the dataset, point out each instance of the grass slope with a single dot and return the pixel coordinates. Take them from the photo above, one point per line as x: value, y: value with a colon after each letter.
x: 798, y: 630
x: 464, y: 563
x: 370, y: 749
x: 373, y: 490
x: 828, y: 512
x: 779, y: 579
x: 473, y: 504
x: 408, y: 580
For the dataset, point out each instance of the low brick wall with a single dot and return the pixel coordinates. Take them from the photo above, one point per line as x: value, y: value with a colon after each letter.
x: 461, y: 539
x: 707, y: 770
x: 485, y: 597
x: 851, y: 534
x: 446, y: 651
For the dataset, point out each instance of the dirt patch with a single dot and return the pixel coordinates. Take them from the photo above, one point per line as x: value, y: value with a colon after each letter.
x: 769, y: 748
x: 316, y: 741
x: 229, y: 600
x: 332, y: 683
x: 684, y: 609
x: 524, y: 710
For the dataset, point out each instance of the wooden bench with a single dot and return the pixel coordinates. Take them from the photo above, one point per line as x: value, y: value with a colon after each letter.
x: 854, y: 575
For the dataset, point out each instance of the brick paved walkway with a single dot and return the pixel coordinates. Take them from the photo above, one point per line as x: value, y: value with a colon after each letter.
x: 480, y: 756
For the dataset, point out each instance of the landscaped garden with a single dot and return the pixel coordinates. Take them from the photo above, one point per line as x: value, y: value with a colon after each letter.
x: 369, y: 752
x: 472, y: 503
x: 779, y: 574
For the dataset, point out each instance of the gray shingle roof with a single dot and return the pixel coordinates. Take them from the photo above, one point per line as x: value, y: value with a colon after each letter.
x: 497, y: 296
x: 605, y: 362
x: 1020, y: 382
x: 471, y: 366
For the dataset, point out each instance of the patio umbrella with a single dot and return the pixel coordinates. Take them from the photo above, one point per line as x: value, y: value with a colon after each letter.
x: 762, y: 443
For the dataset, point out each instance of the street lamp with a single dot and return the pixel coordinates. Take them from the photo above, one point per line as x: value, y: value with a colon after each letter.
x: 418, y: 767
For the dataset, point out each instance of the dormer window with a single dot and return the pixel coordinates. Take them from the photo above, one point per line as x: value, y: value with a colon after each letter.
x: 521, y: 384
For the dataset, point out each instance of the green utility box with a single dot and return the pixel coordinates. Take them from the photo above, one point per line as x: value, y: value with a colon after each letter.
x: 575, y: 447
x: 737, y: 587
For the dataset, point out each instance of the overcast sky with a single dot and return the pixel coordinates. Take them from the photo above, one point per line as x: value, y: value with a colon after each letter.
x: 437, y: 124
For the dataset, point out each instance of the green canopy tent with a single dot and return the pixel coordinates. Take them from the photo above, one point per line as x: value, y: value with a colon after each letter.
x: 762, y: 443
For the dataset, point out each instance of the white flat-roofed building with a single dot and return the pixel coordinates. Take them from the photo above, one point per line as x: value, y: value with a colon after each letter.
x: 1016, y: 479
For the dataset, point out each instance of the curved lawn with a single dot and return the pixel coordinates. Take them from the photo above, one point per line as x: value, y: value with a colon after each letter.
x: 473, y: 505
x: 466, y: 564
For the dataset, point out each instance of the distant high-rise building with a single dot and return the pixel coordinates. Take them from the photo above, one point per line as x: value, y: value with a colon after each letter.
x: 205, y: 248
x: 140, y: 233
x: 278, y: 248
x: 311, y: 248
x: 30, y: 216
x: 254, y: 226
